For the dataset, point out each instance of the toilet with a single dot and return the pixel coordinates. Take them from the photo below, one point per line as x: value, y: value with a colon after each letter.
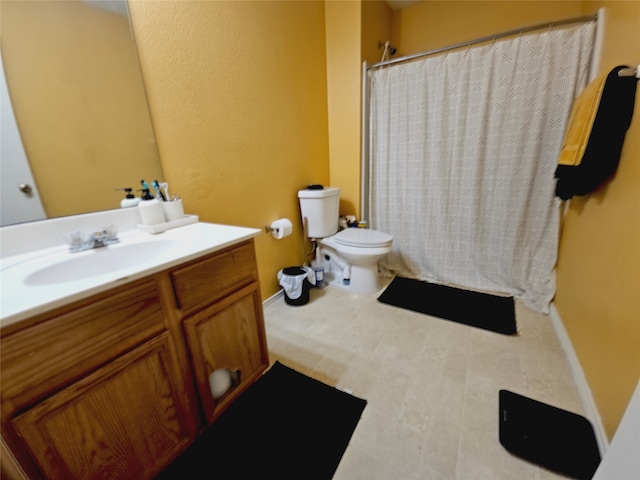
x: 350, y: 256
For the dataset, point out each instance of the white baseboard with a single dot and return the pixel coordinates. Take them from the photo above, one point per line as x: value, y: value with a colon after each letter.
x: 581, y: 382
x: 273, y: 298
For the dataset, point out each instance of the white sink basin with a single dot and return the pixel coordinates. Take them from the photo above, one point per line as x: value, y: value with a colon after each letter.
x: 35, y: 280
x: 70, y: 267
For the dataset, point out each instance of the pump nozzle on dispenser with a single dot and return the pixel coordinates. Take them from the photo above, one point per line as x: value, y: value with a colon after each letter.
x: 129, y: 200
x: 145, y: 194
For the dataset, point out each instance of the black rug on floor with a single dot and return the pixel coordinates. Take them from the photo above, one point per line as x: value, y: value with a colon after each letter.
x: 463, y: 306
x: 548, y: 436
x: 285, y: 426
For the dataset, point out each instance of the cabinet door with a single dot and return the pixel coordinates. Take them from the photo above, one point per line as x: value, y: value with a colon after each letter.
x: 123, y: 421
x: 229, y: 334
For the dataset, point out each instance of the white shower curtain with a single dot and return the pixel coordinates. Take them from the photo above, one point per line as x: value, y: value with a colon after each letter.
x: 463, y: 148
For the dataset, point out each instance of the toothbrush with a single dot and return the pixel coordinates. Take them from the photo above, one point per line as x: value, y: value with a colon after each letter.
x: 164, y: 186
x: 156, y: 187
x: 144, y: 185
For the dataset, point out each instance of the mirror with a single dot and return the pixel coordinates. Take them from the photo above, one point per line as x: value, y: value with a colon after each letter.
x: 79, y: 101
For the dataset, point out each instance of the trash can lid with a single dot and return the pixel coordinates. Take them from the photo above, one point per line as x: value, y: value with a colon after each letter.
x: 294, y: 271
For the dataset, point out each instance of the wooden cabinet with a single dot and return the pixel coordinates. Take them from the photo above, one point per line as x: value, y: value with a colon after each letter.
x: 116, y: 385
x: 222, y: 316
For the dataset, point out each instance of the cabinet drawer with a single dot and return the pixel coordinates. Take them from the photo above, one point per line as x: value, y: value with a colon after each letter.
x: 208, y: 280
x: 51, y: 353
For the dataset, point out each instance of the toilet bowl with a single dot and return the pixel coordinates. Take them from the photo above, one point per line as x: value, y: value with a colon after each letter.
x: 353, y: 256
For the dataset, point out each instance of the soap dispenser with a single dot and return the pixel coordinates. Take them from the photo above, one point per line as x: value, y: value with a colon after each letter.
x: 129, y: 200
x: 151, y: 211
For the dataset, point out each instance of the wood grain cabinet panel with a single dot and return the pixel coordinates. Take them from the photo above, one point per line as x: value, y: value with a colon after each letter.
x: 212, y: 278
x: 59, y: 349
x: 102, y: 427
x: 230, y: 334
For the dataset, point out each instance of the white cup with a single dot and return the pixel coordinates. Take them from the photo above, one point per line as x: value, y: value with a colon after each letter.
x: 173, y: 210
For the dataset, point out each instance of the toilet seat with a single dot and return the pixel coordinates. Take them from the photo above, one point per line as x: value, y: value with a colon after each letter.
x: 363, y: 238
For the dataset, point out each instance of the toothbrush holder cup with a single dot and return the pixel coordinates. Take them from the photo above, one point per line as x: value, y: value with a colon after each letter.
x: 173, y: 210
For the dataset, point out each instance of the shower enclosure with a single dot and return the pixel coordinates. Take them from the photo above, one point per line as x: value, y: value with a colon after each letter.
x: 461, y: 145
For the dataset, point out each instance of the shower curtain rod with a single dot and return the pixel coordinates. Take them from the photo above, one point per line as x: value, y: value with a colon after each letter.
x: 518, y: 31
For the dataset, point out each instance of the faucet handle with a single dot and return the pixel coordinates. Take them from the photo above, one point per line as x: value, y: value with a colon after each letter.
x: 74, y: 238
x: 110, y: 231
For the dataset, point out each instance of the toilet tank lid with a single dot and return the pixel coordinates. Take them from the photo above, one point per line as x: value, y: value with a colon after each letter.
x: 325, y: 192
x: 363, y: 237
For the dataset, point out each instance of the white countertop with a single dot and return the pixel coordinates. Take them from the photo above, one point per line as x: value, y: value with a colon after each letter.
x: 21, y: 297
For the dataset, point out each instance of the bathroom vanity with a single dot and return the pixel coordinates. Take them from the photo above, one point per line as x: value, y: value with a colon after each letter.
x: 109, y: 377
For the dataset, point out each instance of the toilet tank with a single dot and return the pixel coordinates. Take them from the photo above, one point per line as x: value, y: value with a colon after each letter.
x: 320, y: 211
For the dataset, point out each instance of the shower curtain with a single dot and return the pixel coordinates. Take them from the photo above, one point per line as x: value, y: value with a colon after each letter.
x: 462, y: 149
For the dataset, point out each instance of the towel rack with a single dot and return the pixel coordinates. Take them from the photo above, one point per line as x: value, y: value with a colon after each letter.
x: 630, y: 72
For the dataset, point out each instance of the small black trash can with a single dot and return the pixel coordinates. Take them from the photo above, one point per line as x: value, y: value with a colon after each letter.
x: 295, y: 284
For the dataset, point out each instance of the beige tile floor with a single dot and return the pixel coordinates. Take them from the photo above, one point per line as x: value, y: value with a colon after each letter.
x: 431, y: 385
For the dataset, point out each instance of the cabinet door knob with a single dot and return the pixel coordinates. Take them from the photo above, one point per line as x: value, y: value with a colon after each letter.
x: 25, y: 188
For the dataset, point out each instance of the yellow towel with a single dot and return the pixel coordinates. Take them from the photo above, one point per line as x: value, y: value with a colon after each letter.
x: 583, y: 114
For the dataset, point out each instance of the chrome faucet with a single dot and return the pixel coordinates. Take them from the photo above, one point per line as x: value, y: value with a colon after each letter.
x: 106, y: 236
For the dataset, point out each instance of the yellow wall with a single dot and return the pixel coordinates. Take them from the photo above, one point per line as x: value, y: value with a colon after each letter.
x: 238, y: 96
x: 376, y: 27
x: 353, y: 30
x: 435, y: 24
x: 598, y: 274
x: 343, y: 98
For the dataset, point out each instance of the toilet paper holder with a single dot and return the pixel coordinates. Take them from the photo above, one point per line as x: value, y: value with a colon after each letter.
x: 280, y: 228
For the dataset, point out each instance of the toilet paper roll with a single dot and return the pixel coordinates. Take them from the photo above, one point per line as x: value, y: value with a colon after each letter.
x: 220, y: 382
x: 281, y: 228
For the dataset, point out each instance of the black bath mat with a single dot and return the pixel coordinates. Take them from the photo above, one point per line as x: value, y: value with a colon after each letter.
x: 285, y: 426
x: 463, y: 306
x: 548, y: 436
